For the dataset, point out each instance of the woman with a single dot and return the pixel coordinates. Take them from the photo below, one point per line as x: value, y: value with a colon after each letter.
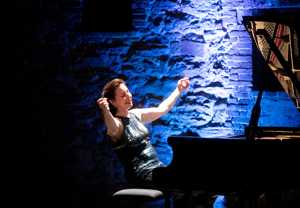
x: 125, y: 126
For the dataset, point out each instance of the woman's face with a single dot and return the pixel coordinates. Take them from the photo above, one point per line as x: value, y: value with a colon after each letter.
x: 123, y: 98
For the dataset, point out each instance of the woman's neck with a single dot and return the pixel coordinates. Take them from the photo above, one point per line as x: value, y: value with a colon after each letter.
x: 122, y: 113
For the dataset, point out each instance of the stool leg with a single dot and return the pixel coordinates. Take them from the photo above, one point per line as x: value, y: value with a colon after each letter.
x: 168, y: 199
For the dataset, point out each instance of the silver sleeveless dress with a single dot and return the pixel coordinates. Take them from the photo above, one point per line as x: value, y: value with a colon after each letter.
x: 135, y: 151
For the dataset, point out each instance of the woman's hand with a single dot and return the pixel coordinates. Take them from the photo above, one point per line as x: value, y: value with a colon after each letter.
x: 103, y: 104
x: 183, y: 84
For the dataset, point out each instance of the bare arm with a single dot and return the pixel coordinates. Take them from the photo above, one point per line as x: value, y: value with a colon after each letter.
x: 151, y: 114
x: 114, y: 125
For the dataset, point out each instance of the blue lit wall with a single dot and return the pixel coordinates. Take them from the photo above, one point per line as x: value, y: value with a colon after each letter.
x: 202, y: 39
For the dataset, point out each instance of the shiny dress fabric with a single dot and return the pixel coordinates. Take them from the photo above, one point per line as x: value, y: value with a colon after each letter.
x: 136, y: 152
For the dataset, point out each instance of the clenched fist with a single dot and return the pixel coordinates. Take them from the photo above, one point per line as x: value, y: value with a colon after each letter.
x: 183, y: 84
x: 103, y: 104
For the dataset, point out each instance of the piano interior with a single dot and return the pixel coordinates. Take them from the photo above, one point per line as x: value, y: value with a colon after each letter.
x: 276, y: 37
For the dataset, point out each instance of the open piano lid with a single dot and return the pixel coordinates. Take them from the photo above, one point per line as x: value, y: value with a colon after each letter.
x: 276, y: 36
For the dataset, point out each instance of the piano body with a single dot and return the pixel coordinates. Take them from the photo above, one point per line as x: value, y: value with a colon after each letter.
x: 265, y: 158
x: 232, y: 165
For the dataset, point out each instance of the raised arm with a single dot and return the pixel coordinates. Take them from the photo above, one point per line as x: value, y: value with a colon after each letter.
x: 113, y: 125
x: 151, y: 114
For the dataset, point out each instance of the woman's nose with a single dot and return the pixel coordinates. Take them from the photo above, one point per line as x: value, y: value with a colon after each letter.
x: 129, y: 95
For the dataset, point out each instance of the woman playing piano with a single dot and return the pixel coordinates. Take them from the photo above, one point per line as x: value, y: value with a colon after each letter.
x: 125, y: 126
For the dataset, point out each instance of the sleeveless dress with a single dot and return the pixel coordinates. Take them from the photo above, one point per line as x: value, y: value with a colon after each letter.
x: 135, y: 151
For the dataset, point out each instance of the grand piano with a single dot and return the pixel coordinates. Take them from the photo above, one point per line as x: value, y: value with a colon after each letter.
x: 265, y: 158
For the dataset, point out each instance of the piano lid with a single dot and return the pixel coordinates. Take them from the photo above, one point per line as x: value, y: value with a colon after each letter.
x: 276, y: 36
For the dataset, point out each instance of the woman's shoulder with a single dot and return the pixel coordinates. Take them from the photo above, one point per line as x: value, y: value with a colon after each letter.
x: 137, y: 112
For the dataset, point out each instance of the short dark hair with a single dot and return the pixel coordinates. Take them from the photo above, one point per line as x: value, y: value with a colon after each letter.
x: 109, y: 92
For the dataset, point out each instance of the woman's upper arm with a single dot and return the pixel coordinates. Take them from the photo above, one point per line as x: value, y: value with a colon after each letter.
x: 148, y: 114
x: 116, y: 133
